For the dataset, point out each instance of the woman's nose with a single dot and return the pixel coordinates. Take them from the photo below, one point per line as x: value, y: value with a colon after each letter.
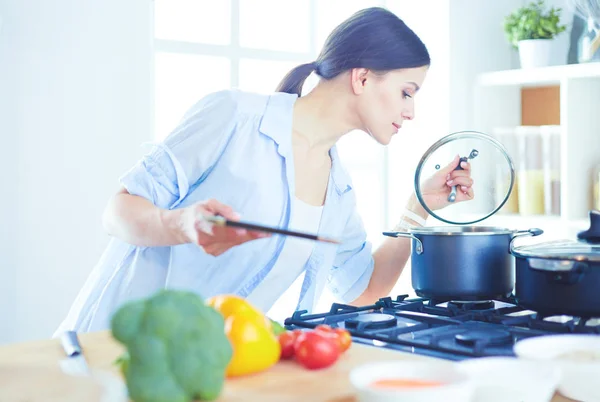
x: 409, y: 111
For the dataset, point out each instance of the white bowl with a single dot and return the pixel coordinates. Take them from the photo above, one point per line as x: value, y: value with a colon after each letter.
x: 455, y: 387
x: 507, y: 379
x: 576, y: 355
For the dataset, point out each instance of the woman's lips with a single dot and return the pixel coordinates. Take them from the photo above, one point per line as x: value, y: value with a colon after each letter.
x: 397, y: 126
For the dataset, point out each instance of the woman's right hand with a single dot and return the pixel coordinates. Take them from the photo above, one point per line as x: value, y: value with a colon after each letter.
x: 214, y: 239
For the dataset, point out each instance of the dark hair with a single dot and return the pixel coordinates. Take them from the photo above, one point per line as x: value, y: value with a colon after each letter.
x: 373, y: 38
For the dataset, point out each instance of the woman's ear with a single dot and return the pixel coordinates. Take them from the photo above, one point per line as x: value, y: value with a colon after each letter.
x: 358, y: 79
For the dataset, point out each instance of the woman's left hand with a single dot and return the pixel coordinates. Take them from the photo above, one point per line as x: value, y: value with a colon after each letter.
x: 436, y: 189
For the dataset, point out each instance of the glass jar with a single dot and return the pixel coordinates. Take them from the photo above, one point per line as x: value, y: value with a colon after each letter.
x: 507, y: 137
x: 551, y: 161
x: 531, y: 170
x: 596, y: 187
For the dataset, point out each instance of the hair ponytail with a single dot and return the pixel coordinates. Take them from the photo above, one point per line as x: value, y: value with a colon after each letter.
x: 373, y: 38
x: 294, y: 80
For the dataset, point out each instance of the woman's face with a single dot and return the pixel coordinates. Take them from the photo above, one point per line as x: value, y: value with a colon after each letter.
x: 386, y: 100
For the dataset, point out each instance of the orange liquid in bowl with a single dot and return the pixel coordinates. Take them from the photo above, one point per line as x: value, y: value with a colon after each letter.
x: 404, y: 383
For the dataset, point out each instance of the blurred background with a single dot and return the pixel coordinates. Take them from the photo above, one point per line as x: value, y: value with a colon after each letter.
x: 84, y: 84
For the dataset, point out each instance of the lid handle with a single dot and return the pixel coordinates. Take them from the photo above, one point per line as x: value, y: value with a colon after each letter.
x: 592, y: 235
x: 473, y: 154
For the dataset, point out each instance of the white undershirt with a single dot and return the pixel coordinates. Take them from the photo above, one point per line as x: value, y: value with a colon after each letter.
x: 278, y: 293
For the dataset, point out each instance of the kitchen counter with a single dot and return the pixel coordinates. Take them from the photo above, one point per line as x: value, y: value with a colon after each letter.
x: 34, y: 364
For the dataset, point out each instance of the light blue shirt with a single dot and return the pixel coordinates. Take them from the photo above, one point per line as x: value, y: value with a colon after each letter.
x: 235, y: 147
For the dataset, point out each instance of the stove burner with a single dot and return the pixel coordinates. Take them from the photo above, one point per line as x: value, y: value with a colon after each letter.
x: 488, y: 338
x: 451, y: 328
x: 472, y: 305
x: 372, y: 321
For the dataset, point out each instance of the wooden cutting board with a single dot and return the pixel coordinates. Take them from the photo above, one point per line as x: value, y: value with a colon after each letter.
x: 33, y: 383
x: 287, y: 381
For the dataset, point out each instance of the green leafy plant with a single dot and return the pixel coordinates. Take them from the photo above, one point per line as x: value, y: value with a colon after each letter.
x: 533, y: 21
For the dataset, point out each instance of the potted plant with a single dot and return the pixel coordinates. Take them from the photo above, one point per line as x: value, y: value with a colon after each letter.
x: 531, y: 29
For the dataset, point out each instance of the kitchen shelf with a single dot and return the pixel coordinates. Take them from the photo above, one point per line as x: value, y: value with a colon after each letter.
x: 541, y: 76
x: 568, y: 96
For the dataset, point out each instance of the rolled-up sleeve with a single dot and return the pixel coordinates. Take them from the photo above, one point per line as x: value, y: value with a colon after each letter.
x: 165, y: 175
x: 353, y: 264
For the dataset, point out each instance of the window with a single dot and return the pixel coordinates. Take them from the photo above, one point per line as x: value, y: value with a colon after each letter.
x: 259, y: 75
x: 206, y: 45
x: 180, y: 80
x: 198, y: 21
x: 260, y: 19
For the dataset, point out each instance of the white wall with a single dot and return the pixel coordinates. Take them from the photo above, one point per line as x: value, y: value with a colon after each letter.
x: 478, y: 44
x: 76, y: 105
x: 8, y: 198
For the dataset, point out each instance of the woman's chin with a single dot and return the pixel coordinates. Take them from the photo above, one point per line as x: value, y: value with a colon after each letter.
x: 384, y: 139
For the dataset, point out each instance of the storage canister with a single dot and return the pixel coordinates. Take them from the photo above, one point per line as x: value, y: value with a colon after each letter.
x: 531, y: 170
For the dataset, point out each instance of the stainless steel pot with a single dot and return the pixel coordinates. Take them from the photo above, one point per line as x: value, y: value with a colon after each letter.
x: 561, y: 277
x: 463, y: 263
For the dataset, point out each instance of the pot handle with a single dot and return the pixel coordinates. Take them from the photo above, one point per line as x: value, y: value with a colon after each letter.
x: 419, y: 248
x: 592, y: 235
x: 519, y: 233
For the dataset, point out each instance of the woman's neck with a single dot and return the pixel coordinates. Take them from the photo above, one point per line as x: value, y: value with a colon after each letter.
x: 322, y: 117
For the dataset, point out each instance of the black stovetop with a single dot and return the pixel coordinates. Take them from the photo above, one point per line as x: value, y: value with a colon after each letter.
x: 449, y: 330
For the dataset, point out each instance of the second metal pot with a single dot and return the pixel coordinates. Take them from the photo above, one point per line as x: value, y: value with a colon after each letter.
x: 561, y: 277
x: 463, y: 263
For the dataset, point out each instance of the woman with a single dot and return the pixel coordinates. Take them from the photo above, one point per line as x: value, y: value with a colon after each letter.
x: 271, y: 159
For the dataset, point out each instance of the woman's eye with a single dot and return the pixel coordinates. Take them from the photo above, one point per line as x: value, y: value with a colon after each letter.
x: 406, y: 95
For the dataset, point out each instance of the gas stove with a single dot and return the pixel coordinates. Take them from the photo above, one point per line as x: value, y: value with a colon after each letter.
x: 444, y: 329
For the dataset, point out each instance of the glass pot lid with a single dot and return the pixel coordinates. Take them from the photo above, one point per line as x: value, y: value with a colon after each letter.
x: 560, y: 250
x: 586, y: 248
x: 492, y: 171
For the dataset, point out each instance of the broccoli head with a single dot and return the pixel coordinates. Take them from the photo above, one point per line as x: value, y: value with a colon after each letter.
x: 177, y: 350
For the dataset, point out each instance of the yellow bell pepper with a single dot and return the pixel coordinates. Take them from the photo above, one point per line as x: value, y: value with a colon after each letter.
x: 255, y: 347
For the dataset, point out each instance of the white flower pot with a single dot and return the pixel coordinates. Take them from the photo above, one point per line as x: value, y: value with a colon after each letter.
x: 535, y: 52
